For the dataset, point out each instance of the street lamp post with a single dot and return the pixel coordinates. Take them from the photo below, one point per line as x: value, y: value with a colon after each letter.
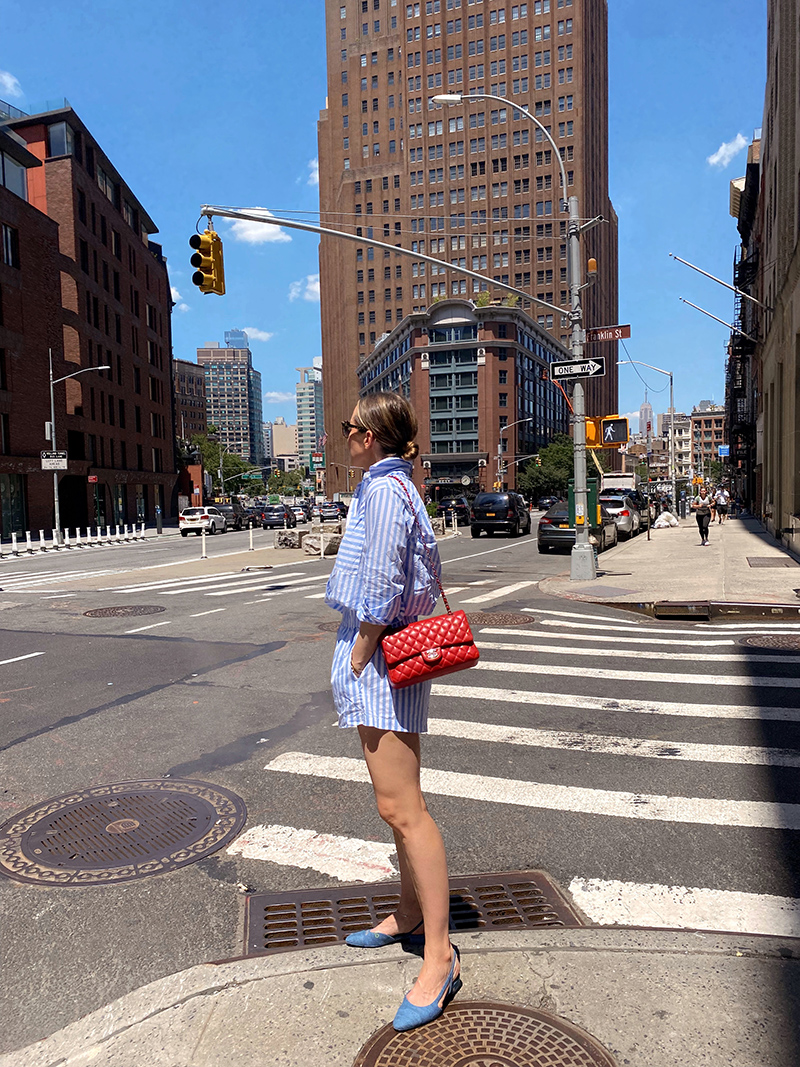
x: 672, y: 471
x: 582, y: 560
x: 55, y: 381
x: 504, y: 430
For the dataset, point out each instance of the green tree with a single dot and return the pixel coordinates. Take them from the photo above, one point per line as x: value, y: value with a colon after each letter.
x: 285, y: 482
x: 551, y: 476
x: 716, y: 471
x: 232, y: 465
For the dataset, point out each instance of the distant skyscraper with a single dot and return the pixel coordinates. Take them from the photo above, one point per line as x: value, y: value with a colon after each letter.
x: 646, y: 417
x: 310, y: 419
x: 233, y: 396
x: 476, y: 185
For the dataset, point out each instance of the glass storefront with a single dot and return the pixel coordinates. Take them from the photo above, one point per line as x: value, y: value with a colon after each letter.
x: 12, y: 504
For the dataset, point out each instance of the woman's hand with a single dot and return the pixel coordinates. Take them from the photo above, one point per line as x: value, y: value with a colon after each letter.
x: 366, y: 642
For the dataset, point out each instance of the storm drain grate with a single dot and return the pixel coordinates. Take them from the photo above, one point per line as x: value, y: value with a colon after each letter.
x: 772, y: 561
x: 118, y: 833
x: 782, y: 642
x: 124, y: 612
x: 514, y: 900
x: 486, y: 1034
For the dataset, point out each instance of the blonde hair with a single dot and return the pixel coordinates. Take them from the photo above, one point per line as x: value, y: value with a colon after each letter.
x: 391, y: 419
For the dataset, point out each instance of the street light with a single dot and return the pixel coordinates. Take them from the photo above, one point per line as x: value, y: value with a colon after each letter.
x: 673, y: 473
x: 503, y: 430
x: 55, y: 381
x: 582, y: 560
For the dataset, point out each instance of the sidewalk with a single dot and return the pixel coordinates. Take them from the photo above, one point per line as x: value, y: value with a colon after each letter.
x: 652, y: 998
x: 672, y: 567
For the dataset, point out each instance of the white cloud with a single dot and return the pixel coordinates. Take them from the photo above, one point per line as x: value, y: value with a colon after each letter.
x: 313, y: 169
x: 278, y: 398
x: 307, y: 288
x: 633, y: 420
x: 178, y: 299
x: 726, y: 151
x: 183, y: 307
x: 257, y: 233
x: 257, y: 335
x: 9, y: 84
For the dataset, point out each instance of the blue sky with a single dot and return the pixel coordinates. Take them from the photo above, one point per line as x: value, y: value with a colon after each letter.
x: 194, y: 102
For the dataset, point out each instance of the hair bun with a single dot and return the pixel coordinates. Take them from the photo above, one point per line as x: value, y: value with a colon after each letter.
x: 411, y: 450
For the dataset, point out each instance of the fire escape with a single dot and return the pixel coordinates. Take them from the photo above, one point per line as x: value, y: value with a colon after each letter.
x: 740, y: 379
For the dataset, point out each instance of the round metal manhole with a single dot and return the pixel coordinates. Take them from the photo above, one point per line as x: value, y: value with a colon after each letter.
x: 486, y: 1034
x: 117, y: 833
x: 124, y: 612
x: 498, y: 618
x: 329, y: 627
x: 782, y: 642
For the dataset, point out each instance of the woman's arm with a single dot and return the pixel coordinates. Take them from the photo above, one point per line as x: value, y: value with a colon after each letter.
x: 365, y: 645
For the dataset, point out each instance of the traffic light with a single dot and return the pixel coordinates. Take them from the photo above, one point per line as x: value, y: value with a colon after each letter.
x: 593, y: 432
x: 614, y: 431
x: 209, y: 275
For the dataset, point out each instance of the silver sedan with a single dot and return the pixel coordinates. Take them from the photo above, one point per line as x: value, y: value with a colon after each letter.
x: 626, y: 514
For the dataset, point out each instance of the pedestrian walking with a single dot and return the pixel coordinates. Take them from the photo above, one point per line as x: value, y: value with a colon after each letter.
x: 722, y: 499
x: 383, y: 578
x: 701, y: 506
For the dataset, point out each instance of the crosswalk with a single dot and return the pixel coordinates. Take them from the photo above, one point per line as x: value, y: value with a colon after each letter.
x: 612, y: 742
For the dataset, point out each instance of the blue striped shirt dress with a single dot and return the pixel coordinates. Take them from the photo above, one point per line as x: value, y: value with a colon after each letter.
x: 382, y: 576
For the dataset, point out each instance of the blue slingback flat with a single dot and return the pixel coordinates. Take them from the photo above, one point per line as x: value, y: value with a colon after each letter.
x: 371, y: 939
x: 410, y: 1016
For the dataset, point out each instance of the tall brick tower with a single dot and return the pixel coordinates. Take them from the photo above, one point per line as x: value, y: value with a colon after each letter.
x: 475, y: 184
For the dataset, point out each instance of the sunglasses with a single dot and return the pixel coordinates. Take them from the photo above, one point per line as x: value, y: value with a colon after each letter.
x: 348, y: 426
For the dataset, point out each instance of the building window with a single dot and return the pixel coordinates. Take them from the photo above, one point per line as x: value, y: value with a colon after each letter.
x: 10, y: 238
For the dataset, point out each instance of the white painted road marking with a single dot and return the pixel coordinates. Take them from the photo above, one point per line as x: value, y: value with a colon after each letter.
x: 271, y: 583
x: 16, y: 659
x: 346, y: 858
x: 311, y: 596
x: 557, y: 701
x: 594, y: 637
x: 683, y: 635
x: 611, y: 745
x: 707, y: 680
x: 626, y: 653
x: 506, y: 590
x: 212, y: 612
x: 680, y: 907
x: 617, y: 804
x: 152, y: 626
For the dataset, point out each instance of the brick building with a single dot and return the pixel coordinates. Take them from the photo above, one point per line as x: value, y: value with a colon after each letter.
x: 115, y: 307
x: 475, y: 184
x: 470, y: 373
x: 708, y: 433
x: 190, y: 399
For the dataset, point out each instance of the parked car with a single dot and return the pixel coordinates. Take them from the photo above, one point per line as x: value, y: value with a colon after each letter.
x: 253, y: 517
x: 500, y: 511
x: 329, y: 512
x: 626, y: 514
x: 277, y: 516
x: 299, y: 513
x: 235, y: 514
x: 195, y: 520
x: 546, y: 502
x: 458, y: 506
x: 555, y: 531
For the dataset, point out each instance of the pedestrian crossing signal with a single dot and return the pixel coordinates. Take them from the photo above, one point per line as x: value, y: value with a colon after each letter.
x: 614, y: 431
x: 209, y: 275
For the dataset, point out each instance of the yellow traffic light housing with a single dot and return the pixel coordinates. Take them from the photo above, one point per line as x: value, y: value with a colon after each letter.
x: 209, y: 275
x: 592, y: 432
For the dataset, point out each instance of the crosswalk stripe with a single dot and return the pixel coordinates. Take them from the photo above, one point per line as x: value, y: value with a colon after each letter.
x: 761, y: 627
x: 347, y: 858
x: 213, y: 611
x: 610, y: 745
x: 242, y: 581
x: 16, y: 659
x: 315, y: 596
x: 624, y: 805
x: 614, y: 903
x: 677, y: 642
x: 272, y: 582
x: 506, y: 590
x: 641, y: 676
x: 162, y: 583
x: 686, y: 635
x: 634, y: 707
x: 34, y: 583
x: 627, y: 653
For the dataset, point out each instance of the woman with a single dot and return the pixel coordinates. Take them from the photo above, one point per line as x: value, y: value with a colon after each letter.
x: 701, y: 506
x: 383, y: 578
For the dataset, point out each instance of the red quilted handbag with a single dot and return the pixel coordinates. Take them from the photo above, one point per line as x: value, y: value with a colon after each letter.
x: 430, y: 648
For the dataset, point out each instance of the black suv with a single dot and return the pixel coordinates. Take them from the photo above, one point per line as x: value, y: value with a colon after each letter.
x: 457, y: 506
x: 277, y: 516
x: 235, y: 514
x: 500, y: 511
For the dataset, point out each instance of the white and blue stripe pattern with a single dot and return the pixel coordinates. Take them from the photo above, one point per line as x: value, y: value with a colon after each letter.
x: 382, y: 576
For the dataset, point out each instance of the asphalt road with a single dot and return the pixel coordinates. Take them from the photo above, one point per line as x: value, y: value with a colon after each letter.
x: 605, y: 748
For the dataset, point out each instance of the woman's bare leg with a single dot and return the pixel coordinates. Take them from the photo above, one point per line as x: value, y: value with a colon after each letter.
x: 394, y: 764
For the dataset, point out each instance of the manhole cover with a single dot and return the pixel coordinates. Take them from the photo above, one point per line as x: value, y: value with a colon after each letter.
x: 115, y: 833
x: 772, y: 561
x: 511, y: 900
x: 498, y: 618
x: 329, y: 627
x: 785, y: 642
x: 486, y: 1034
x: 124, y: 612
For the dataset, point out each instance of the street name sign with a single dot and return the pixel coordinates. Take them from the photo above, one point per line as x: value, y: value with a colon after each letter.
x: 54, y: 461
x: 724, y: 450
x: 587, y: 368
x: 608, y: 333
